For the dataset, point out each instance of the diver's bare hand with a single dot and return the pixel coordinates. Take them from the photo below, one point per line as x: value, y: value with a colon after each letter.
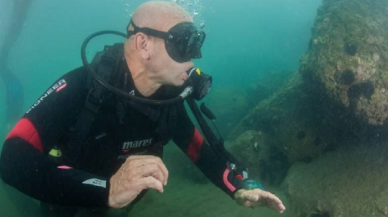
x: 136, y: 174
x: 257, y: 197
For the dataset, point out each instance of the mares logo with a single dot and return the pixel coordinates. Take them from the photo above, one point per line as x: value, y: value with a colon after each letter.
x: 57, y: 87
x: 136, y: 144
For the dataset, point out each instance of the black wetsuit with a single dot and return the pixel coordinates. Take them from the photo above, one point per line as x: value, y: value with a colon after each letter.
x: 51, y: 120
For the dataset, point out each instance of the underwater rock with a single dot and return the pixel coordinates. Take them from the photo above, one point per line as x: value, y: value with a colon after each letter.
x: 290, y: 118
x: 232, y: 102
x: 267, y: 84
x: 347, y: 56
x: 298, y: 123
x: 229, y: 105
x: 255, y: 150
x: 348, y: 182
x: 316, y: 122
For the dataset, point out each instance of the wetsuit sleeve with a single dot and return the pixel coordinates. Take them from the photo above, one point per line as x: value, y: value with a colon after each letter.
x: 211, y: 162
x: 25, y: 162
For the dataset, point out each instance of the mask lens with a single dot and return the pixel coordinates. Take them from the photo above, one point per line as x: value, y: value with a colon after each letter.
x: 194, y: 45
x: 186, y: 42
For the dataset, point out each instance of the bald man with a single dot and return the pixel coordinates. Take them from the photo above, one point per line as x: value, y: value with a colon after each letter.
x: 112, y: 161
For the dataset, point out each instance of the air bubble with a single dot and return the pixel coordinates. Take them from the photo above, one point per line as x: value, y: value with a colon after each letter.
x: 195, y: 9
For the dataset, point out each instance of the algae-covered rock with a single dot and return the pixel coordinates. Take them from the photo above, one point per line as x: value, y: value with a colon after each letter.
x: 229, y: 106
x: 255, y: 149
x: 231, y: 103
x: 348, y: 56
x: 298, y: 123
x: 290, y: 119
x: 267, y: 84
x: 342, y: 82
x: 275, y: 134
x: 349, y: 182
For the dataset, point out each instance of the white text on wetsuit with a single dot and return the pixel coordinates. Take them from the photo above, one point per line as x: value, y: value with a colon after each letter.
x: 137, y: 144
x: 58, y: 86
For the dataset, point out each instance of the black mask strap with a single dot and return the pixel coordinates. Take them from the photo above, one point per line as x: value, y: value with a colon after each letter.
x: 135, y: 29
x: 147, y: 31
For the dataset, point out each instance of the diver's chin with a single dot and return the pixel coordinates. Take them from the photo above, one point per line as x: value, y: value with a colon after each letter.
x: 176, y: 84
x: 180, y: 84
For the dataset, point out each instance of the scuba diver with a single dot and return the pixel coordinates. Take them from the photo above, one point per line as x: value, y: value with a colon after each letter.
x: 13, y: 88
x: 95, y: 138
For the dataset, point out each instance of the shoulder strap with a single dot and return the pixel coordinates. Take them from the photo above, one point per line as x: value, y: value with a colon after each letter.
x: 105, y: 63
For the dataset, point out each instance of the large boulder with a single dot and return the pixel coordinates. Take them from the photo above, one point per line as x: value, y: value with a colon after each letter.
x: 232, y: 102
x: 298, y: 120
x: 256, y: 151
x: 347, y: 56
x: 328, y: 124
x: 295, y: 124
x: 349, y: 182
x: 339, y: 95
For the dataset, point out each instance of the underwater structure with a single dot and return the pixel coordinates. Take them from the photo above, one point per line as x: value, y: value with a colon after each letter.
x: 347, y: 56
x: 323, y: 137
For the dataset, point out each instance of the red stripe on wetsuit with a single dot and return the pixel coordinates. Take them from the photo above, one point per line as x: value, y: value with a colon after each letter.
x: 195, y: 146
x: 25, y: 130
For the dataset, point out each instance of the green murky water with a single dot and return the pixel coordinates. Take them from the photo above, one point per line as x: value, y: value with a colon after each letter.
x: 245, y: 40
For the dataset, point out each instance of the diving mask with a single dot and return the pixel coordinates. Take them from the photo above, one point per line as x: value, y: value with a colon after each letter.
x: 183, y: 41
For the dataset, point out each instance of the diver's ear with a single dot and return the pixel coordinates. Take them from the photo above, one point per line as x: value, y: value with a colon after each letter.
x: 143, y: 45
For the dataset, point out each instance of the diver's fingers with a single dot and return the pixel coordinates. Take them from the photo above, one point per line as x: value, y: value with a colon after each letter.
x: 268, y: 199
x: 150, y: 183
x: 145, y: 160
